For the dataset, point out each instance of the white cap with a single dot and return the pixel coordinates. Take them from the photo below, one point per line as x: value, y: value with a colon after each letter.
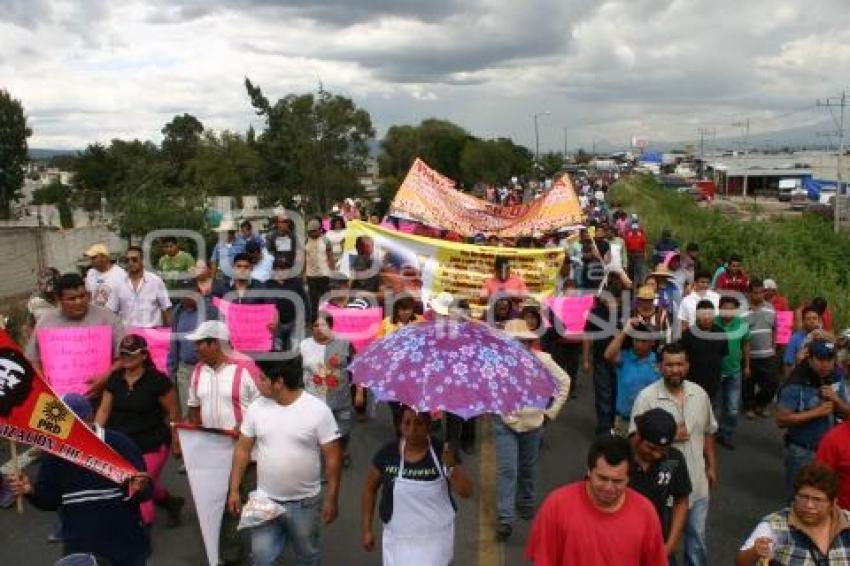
x: 209, y: 329
x: 770, y: 284
x: 441, y: 303
x: 226, y: 226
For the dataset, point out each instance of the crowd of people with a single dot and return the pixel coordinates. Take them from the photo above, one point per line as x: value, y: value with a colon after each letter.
x: 673, y: 351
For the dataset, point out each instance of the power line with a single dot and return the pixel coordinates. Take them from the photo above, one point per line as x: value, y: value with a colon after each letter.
x: 840, y: 103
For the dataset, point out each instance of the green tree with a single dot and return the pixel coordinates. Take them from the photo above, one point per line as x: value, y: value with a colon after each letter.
x: 13, y: 151
x: 313, y: 145
x: 58, y: 195
x: 181, y: 139
x: 493, y: 161
x: 225, y: 164
x: 439, y: 143
x: 551, y: 163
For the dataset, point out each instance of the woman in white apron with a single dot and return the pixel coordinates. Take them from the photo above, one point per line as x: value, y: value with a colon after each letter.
x: 416, y: 506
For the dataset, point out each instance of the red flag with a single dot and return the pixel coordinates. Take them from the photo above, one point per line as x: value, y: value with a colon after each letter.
x: 31, y: 413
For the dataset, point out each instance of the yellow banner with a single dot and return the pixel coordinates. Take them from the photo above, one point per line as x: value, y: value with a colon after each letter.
x: 437, y: 265
x: 428, y: 197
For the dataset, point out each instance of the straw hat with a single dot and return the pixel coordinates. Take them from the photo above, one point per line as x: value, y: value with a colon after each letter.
x: 662, y: 270
x: 645, y: 293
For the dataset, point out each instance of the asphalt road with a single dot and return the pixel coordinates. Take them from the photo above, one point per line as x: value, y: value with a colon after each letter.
x: 750, y: 486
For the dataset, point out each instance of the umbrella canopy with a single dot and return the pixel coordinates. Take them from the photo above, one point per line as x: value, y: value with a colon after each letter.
x: 465, y: 368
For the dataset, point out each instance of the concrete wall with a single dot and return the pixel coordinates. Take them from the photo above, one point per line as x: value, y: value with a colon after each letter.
x: 62, y: 249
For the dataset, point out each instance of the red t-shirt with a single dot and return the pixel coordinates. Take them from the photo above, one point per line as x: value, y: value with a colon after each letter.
x: 834, y: 451
x: 635, y: 241
x: 729, y: 282
x: 569, y: 530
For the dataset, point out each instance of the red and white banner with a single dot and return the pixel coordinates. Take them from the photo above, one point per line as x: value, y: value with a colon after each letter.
x: 31, y: 413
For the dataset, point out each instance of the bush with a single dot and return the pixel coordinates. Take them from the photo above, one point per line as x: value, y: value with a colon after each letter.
x: 803, y: 255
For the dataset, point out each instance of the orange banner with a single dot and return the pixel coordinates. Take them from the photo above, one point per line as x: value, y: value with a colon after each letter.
x: 428, y: 197
x: 31, y: 413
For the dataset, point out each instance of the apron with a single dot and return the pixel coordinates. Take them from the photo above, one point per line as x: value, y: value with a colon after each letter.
x: 422, y: 528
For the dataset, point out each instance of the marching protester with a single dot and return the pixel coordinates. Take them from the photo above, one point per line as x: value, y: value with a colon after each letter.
x: 636, y: 366
x: 174, y: 263
x: 220, y: 391
x: 318, y: 261
x: 690, y: 406
x: 503, y: 283
x: 794, y: 348
x: 813, y: 530
x: 734, y: 367
x: 701, y: 292
x: 75, y: 310
x: 809, y: 402
x: 517, y: 438
x: 706, y: 344
x: 759, y: 388
x: 336, y: 236
x: 98, y: 517
x: 226, y: 248
x: 325, y: 361
x: 417, y: 476
x: 599, y: 521
x: 140, y: 402
x: 403, y: 313
x: 659, y: 473
x: 103, y: 277
x: 141, y: 297
x: 291, y: 302
x: 291, y: 432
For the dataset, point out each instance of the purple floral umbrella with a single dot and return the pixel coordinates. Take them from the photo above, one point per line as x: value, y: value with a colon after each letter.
x: 461, y: 367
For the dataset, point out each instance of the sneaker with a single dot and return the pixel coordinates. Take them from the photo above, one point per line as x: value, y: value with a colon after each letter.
x: 725, y: 442
x: 750, y: 414
x: 503, y: 532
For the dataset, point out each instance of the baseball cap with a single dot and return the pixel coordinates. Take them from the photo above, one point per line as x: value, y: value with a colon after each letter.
x: 209, y: 329
x: 79, y: 404
x: 96, y: 250
x: 822, y: 349
x: 132, y: 344
x: 314, y: 225
x: 770, y: 284
x: 656, y: 426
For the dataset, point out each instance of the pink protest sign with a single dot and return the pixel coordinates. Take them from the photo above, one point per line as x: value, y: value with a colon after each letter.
x: 358, y: 326
x: 571, y: 311
x: 249, y: 326
x: 784, y: 326
x: 71, y: 356
x: 159, y: 340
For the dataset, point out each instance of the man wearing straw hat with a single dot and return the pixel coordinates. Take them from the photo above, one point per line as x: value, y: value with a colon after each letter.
x: 227, y: 247
x: 517, y: 440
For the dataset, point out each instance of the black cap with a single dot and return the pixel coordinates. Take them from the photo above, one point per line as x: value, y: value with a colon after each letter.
x: 132, y: 344
x: 656, y: 426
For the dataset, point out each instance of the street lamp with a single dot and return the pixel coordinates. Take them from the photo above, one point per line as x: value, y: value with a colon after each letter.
x: 537, y: 135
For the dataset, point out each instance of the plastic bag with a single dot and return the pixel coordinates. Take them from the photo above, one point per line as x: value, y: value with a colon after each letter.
x: 258, y: 510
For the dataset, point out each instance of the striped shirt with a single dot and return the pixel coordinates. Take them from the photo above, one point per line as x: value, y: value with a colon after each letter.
x: 762, y: 321
x: 222, y: 394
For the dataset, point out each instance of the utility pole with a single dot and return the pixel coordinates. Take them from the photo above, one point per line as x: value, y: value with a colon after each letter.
x: 566, y: 140
x: 746, y: 150
x: 839, y: 102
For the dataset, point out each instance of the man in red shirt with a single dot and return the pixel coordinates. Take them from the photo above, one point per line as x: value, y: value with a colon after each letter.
x: 834, y: 452
x: 504, y: 282
x: 772, y: 296
x: 635, y: 239
x: 599, y: 521
x: 734, y: 278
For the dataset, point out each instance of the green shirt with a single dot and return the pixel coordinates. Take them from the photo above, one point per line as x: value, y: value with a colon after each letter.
x: 175, y: 267
x: 737, y: 332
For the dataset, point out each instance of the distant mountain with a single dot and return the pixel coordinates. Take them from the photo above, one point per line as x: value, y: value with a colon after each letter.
x: 41, y: 154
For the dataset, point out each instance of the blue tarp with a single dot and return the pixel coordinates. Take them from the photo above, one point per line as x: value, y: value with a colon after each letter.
x: 651, y: 157
x: 814, y: 186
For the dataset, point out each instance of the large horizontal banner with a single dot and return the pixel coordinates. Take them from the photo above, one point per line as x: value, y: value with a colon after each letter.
x: 416, y: 264
x: 428, y: 197
x: 31, y: 413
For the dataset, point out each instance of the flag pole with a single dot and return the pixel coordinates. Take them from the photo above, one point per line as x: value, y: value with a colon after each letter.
x: 16, y: 468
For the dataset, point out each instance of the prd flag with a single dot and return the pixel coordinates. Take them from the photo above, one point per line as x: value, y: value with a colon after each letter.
x: 31, y: 413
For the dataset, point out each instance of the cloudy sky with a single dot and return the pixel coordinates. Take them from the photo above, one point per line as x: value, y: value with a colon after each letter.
x: 92, y: 70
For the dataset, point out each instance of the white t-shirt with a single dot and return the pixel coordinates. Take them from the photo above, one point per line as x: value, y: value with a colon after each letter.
x: 316, y: 257
x: 688, y: 306
x: 103, y: 286
x: 288, y: 444
x: 336, y: 238
x: 313, y: 362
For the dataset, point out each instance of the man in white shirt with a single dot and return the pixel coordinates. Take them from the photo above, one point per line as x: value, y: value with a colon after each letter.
x: 103, y: 278
x: 141, y: 296
x: 318, y: 258
x: 292, y: 431
x: 220, y: 391
x: 688, y: 306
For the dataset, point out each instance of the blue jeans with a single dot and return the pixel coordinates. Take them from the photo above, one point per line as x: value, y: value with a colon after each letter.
x: 730, y: 402
x: 299, y: 523
x: 516, y: 469
x: 696, y: 549
x: 795, y: 458
x: 605, y: 394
